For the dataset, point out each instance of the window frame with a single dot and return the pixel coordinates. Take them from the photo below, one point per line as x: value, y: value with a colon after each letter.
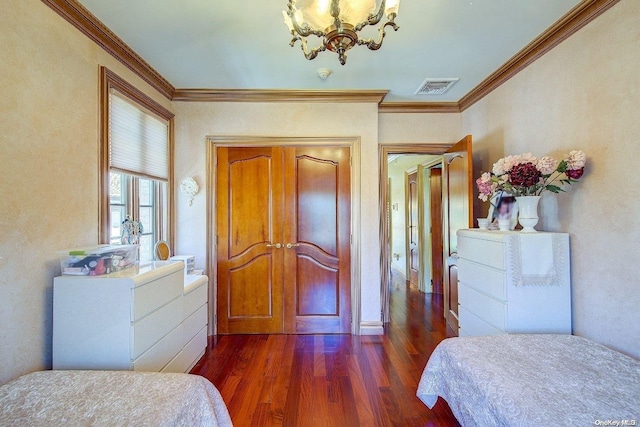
x: 109, y: 80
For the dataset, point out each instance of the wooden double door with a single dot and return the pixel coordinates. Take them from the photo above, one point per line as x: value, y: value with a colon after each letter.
x: 283, y: 240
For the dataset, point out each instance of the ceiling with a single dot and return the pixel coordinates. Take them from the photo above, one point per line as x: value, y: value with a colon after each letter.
x: 216, y: 44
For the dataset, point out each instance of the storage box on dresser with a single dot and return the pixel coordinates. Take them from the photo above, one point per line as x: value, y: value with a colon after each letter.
x: 131, y: 320
x: 495, y: 295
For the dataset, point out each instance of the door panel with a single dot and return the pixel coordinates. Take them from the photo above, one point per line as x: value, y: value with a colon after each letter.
x: 413, y: 255
x: 317, y: 218
x: 458, y: 200
x: 435, y: 195
x: 249, y: 218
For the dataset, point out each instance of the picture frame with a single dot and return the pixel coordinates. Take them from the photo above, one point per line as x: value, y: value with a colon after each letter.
x: 503, y: 206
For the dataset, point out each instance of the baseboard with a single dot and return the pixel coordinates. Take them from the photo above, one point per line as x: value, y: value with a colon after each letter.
x: 400, y: 273
x: 371, y: 328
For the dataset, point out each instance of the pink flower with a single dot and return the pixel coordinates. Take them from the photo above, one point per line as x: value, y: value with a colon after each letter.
x: 485, y: 186
x: 574, y: 173
x: 576, y: 159
x: 547, y: 165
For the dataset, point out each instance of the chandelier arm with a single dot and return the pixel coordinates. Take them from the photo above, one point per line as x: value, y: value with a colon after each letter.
x: 309, y: 54
x: 373, y: 44
x: 302, y: 30
x: 373, y: 19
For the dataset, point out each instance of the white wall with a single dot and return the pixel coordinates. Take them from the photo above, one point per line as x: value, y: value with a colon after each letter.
x: 49, y: 80
x: 584, y: 94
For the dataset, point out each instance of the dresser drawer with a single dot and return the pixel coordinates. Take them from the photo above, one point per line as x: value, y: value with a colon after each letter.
x: 150, y: 296
x: 153, y: 327
x: 176, y: 365
x: 195, y: 322
x: 157, y: 357
x: 487, y: 252
x: 489, y: 309
x: 194, y: 299
x: 195, y: 349
x: 483, y: 278
x: 472, y: 325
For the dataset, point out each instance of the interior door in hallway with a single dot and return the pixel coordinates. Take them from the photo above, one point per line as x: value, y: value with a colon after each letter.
x: 457, y: 176
x: 283, y: 253
x: 413, y: 253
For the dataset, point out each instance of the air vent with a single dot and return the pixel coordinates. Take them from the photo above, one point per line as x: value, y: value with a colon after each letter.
x: 435, y: 86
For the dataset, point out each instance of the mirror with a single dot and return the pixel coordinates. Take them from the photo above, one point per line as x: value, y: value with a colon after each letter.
x: 162, y: 251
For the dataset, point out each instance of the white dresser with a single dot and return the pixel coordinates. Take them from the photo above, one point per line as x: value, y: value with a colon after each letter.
x: 513, y: 282
x: 142, y: 319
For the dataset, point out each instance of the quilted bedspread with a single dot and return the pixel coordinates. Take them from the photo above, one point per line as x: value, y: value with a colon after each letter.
x: 107, y: 398
x: 533, y: 380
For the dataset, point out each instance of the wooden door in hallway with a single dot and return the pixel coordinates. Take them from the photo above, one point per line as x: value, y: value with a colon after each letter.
x: 413, y: 252
x: 283, y: 252
x: 435, y: 205
x: 457, y: 177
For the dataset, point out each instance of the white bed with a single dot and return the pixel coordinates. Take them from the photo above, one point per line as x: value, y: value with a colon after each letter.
x: 532, y: 380
x: 108, y: 398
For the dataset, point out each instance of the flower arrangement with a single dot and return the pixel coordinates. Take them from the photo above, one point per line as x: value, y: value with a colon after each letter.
x: 526, y: 175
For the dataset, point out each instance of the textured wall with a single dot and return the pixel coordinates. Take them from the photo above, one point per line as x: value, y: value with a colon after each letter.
x: 48, y: 166
x: 419, y: 128
x: 195, y: 121
x: 583, y: 94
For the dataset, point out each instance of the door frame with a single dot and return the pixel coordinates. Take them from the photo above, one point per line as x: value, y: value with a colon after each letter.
x: 384, y: 150
x: 214, y: 141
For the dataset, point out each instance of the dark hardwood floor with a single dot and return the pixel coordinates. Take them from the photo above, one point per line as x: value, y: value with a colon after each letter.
x: 333, y: 380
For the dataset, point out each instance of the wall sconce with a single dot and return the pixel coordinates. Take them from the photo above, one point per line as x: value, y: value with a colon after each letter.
x: 189, y: 187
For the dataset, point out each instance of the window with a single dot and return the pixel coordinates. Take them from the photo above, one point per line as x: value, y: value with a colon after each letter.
x: 135, y: 167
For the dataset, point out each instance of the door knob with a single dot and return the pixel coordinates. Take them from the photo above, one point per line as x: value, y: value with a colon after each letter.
x: 292, y: 245
x: 274, y: 245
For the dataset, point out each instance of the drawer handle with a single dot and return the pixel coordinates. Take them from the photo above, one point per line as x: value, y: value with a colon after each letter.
x: 274, y: 245
x: 292, y: 245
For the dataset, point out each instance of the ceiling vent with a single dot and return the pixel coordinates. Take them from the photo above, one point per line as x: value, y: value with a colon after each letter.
x: 435, y: 86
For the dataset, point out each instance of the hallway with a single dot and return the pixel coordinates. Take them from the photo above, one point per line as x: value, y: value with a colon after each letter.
x: 333, y: 380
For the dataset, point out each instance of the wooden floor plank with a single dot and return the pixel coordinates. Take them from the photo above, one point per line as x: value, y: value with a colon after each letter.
x: 333, y: 380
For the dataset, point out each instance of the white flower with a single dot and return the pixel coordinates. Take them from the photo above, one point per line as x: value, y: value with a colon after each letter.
x: 576, y: 159
x: 499, y: 167
x: 527, y: 158
x: 547, y: 165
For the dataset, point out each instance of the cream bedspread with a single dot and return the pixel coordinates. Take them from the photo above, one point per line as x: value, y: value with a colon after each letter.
x: 532, y: 380
x: 108, y: 398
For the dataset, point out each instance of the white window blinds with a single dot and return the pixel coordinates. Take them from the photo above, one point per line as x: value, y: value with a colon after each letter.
x: 138, y: 140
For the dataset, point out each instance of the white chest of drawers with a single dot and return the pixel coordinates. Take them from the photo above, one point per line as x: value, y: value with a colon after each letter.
x: 513, y: 282
x: 139, y: 319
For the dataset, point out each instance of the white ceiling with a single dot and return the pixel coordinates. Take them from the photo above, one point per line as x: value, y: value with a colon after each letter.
x: 218, y: 44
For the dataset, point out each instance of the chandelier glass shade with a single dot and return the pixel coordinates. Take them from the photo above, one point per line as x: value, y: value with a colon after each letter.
x: 337, y: 23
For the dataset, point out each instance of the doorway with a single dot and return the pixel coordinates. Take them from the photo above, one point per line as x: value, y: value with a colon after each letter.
x: 456, y: 212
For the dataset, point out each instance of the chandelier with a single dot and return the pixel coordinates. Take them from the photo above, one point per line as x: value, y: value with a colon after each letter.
x: 337, y: 23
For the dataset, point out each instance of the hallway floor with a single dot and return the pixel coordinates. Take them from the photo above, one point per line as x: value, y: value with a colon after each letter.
x: 333, y: 380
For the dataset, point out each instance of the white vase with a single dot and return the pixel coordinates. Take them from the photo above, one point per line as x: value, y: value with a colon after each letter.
x: 528, y: 212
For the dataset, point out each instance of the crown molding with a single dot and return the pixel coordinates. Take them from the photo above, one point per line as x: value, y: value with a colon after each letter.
x: 583, y: 13
x: 78, y: 16
x: 275, y: 95
x: 419, y: 107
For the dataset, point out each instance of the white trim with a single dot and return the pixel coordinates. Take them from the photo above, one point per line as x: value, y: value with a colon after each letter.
x: 371, y: 327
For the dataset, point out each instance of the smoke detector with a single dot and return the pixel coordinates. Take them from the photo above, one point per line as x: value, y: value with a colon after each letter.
x: 433, y: 86
x: 323, y: 73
